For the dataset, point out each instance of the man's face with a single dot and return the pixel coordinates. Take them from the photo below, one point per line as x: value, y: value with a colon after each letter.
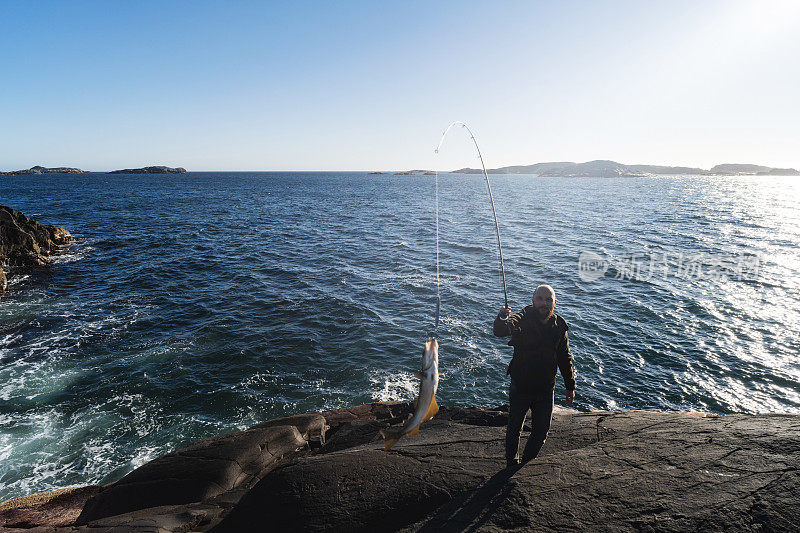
x: 545, y: 302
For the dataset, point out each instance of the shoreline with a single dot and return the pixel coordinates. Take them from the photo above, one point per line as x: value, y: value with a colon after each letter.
x: 310, y: 470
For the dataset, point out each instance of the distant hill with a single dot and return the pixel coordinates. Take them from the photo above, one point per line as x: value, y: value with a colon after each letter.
x: 611, y: 169
x: 735, y: 168
x: 758, y: 170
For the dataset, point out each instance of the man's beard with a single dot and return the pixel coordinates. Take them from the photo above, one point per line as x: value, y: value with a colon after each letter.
x: 545, y: 313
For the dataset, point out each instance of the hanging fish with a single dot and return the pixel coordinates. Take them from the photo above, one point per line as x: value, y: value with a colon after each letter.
x: 426, y: 406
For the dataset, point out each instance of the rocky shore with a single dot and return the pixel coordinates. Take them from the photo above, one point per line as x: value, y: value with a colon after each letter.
x: 24, y: 243
x: 629, y: 471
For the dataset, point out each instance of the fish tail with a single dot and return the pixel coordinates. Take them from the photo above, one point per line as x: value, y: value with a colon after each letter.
x: 390, y: 438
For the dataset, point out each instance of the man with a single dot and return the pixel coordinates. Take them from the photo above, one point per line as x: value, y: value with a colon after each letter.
x: 539, y: 338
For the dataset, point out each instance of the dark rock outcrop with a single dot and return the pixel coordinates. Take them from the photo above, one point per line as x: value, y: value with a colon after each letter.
x: 630, y: 471
x: 150, y: 170
x: 43, y: 170
x: 26, y: 243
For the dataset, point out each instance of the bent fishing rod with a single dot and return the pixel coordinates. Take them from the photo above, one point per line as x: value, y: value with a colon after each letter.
x: 494, y: 212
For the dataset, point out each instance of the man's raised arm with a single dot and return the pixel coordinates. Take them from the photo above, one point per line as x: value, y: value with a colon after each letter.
x: 505, y: 324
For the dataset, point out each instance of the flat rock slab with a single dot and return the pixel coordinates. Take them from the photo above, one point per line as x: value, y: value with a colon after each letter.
x: 628, y: 471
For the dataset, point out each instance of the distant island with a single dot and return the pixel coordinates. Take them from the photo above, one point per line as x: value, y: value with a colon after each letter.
x: 407, y: 173
x: 43, y: 170
x: 612, y: 169
x: 68, y: 170
x: 150, y: 170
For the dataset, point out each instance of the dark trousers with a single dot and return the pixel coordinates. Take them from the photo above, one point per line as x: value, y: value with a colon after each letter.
x: 541, y: 407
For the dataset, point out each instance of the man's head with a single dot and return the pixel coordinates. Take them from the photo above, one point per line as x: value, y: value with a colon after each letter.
x: 544, y: 300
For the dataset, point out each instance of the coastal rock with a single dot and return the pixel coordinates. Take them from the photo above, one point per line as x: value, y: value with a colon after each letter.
x: 206, y: 469
x: 26, y: 243
x: 635, y: 470
x: 150, y: 170
x: 612, y: 471
x: 43, y: 170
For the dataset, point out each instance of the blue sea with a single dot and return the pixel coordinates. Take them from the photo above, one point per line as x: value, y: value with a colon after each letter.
x: 202, y: 303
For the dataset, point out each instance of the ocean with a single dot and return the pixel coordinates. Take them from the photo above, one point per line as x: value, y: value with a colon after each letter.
x: 196, y: 304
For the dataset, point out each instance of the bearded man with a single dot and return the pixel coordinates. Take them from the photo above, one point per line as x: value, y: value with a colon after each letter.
x: 539, y: 338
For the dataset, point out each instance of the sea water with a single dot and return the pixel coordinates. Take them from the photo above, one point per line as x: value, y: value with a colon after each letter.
x: 202, y: 303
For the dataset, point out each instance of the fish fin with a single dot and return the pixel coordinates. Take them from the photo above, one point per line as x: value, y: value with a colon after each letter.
x: 419, y: 375
x: 390, y: 438
x: 432, y: 409
x: 414, y: 431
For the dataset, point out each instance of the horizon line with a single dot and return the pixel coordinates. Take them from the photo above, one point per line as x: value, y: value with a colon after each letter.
x: 398, y: 170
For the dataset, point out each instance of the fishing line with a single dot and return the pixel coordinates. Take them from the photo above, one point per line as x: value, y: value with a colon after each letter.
x: 438, y: 296
x: 494, y: 212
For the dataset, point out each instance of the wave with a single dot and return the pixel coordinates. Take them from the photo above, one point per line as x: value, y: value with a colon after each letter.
x: 393, y: 386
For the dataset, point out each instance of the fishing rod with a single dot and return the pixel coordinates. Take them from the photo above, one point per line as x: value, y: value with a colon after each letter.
x: 494, y: 212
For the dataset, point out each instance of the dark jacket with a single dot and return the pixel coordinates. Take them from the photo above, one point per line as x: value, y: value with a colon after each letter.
x: 538, y: 350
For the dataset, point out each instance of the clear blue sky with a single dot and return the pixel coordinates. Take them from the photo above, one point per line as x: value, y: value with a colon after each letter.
x: 371, y: 85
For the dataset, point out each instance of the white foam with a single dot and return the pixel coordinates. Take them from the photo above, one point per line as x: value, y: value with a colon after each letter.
x: 71, y: 256
x: 15, y: 280
x: 144, y: 454
x: 400, y: 386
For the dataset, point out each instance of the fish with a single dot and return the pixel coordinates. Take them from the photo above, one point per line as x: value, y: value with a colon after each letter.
x: 425, y: 406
